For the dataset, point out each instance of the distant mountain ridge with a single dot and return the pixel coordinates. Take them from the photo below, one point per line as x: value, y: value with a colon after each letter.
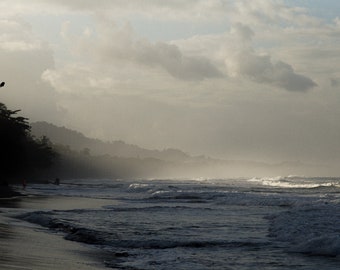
x: 127, y: 160
x: 79, y: 142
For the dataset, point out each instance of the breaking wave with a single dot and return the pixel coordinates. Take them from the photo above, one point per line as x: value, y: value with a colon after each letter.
x: 297, y: 182
x: 206, y: 224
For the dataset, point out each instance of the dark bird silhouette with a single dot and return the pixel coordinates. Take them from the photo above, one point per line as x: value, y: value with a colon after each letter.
x: 2, y: 84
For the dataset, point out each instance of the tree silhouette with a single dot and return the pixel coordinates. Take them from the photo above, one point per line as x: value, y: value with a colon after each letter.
x: 21, y: 153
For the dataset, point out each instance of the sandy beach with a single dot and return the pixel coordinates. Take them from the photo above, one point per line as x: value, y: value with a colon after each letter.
x: 28, y: 246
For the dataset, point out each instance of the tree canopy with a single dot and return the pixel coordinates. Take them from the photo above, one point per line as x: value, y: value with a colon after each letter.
x: 21, y: 154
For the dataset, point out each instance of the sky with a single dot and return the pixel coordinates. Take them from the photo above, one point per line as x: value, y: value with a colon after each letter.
x: 239, y: 80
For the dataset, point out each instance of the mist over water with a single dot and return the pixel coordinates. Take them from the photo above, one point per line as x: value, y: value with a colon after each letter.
x: 265, y: 223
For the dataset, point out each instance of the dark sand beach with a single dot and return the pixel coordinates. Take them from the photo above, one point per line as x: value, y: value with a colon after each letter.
x: 27, y: 246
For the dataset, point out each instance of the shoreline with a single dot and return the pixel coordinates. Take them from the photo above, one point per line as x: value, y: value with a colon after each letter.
x: 7, y: 192
x: 24, y: 245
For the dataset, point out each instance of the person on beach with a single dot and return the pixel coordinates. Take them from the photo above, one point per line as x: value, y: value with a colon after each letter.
x: 24, y: 184
x: 57, y: 181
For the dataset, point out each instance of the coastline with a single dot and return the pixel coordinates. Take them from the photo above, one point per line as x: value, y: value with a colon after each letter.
x: 29, y: 246
x: 7, y: 192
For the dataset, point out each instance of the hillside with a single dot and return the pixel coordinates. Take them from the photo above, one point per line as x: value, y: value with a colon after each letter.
x: 77, y: 141
x: 86, y: 157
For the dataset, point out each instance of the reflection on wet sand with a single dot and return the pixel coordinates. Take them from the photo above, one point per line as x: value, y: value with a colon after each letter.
x: 27, y: 246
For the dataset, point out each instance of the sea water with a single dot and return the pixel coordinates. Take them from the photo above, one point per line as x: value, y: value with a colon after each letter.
x: 260, y: 223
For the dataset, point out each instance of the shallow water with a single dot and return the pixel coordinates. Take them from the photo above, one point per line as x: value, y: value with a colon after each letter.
x: 268, y: 223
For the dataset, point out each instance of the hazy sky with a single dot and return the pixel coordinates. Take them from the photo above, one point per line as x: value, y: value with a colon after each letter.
x: 256, y: 80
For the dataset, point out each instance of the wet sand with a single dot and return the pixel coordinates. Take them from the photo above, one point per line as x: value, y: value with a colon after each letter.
x: 28, y: 246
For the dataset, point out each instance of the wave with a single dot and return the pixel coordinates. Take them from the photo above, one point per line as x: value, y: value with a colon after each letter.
x: 297, y: 182
x: 72, y: 232
x: 171, y: 244
x: 152, y: 208
x: 182, y: 196
x: 95, y: 237
x: 310, y: 230
x: 139, y: 187
x: 320, y: 246
x: 251, y: 198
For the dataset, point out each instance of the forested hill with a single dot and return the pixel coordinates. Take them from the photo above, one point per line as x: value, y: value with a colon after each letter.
x: 86, y: 157
x: 77, y: 141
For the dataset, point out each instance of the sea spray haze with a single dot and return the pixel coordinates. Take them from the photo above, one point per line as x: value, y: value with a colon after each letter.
x: 259, y: 223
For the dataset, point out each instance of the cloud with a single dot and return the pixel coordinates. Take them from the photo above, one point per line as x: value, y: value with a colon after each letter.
x: 334, y: 82
x: 271, y: 13
x: 245, y: 62
x: 242, y: 32
x: 175, y: 10
x: 113, y: 44
x: 24, y: 57
x: 261, y: 69
x: 170, y: 58
x: 16, y: 35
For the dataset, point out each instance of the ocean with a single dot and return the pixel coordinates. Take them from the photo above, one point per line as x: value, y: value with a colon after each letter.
x: 260, y: 223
